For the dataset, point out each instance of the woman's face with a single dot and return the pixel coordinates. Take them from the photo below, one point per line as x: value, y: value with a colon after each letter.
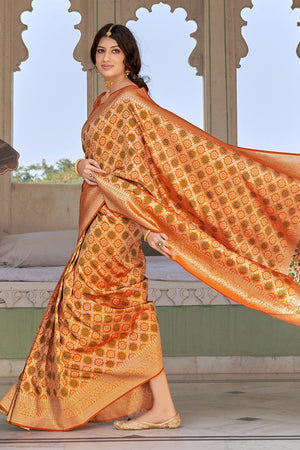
x: 110, y: 59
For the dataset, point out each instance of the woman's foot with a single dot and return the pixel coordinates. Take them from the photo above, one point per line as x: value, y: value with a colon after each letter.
x: 154, y: 416
x: 161, y: 415
x: 173, y: 422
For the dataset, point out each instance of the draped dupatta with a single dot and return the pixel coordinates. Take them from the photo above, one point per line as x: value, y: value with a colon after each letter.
x: 231, y: 214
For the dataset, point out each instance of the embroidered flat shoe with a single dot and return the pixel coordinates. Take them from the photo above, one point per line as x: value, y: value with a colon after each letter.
x: 129, y: 424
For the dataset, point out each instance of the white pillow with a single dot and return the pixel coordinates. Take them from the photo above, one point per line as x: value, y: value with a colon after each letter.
x: 44, y: 248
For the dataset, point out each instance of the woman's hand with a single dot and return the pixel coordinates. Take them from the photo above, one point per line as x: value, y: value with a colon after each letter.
x: 86, y: 169
x: 159, y: 242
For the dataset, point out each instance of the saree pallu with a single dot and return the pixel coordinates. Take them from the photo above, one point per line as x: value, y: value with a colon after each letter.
x: 98, y: 343
x: 232, y: 217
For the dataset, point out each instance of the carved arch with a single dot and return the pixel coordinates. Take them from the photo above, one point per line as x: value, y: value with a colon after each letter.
x: 241, y: 45
x: 11, y: 29
x: 87, y: 27
x: 12, y: 52
x: 242, y: 49
x: 195, y: 12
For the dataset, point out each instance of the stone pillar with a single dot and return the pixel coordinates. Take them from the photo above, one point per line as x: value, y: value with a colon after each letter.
x: 224, y: 46
x: 12, y: 53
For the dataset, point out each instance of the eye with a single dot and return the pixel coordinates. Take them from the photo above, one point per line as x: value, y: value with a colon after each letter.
x: 100, y: 50
x: 116, y: 50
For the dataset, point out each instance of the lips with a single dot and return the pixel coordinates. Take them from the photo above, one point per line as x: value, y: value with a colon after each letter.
x: 106, y: 66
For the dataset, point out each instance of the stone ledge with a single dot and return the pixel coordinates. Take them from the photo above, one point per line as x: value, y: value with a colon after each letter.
x: 34, y: 294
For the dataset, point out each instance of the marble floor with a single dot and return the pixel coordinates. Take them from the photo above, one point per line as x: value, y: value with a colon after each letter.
x: 247, y: 412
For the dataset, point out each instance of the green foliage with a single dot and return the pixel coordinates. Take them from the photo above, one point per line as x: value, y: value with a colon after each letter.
x: 61, y: 172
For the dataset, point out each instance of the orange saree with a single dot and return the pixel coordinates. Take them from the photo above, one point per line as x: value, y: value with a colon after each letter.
x: 98, y: 343
x: 232, y: 219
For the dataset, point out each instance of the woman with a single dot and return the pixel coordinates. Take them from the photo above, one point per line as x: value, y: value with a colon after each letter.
x: 228, y: 215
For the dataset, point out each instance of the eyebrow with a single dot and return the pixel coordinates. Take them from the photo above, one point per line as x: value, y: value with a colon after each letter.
x: 113, y: 46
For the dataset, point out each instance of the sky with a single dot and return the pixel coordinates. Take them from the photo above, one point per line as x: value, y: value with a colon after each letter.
x: 50, y: 89
x: 268, y: 80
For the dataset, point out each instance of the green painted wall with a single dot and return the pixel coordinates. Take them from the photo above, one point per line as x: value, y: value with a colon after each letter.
x: 225, y: 330
x: 185, y: 331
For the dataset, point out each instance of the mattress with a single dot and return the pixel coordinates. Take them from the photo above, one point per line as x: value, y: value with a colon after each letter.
x: 157, y: 268
x: 169, y: 285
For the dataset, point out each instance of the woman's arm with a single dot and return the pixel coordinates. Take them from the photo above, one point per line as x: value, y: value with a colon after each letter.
x: 86, y: 168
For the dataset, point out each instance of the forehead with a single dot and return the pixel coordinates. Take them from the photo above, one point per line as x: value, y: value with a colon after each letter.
x: 107, y: 43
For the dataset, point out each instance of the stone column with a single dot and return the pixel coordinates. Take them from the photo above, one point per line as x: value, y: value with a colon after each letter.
x: 12, y: 53
x: 224, y: 46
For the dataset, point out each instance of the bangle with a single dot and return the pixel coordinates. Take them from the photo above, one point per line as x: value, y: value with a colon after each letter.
x: 146, y: 235
x: 76, y: 167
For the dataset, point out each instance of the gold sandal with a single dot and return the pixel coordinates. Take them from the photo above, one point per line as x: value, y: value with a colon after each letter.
x: 129, y: 424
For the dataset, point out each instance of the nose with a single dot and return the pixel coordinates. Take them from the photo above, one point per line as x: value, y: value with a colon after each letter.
x: 106, y: 56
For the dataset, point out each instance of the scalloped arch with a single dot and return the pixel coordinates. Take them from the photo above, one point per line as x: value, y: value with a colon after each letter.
x: 241, y: 45
x: 11, y: 29
x: 195, y: 12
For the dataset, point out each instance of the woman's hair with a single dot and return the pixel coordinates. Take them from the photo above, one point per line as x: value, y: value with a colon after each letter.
x: 127, y: 43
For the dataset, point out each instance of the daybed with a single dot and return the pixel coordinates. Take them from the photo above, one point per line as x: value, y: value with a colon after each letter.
x: 31, y: 264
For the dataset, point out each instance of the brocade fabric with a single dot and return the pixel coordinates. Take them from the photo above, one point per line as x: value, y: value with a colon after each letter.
x: 232, y: 219
x: 231, y: 214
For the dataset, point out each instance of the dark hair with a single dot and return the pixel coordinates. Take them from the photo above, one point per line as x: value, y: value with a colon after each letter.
x: 127, y: 43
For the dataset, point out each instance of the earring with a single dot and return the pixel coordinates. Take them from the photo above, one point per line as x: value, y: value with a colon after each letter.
x: 97, y: 71
x: 127, y: 72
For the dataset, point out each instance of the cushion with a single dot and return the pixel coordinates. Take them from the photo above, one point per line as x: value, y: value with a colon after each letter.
x: 44, y: 248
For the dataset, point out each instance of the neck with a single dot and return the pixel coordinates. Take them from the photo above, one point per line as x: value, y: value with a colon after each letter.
x: 109, y: 83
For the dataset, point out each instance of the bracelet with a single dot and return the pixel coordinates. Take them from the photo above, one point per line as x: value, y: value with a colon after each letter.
x: 146, y: 235
x: 76, y: 167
